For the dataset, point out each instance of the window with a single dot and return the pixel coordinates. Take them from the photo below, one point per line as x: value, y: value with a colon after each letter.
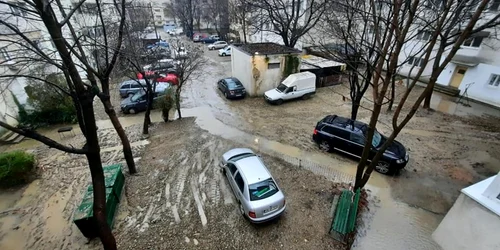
x: 498, y: 197
x: 494, y: 5
x: 239, y: 182
x: 473, y: 42
x: 135, y: 85
x: 357, y: 138
x: 18, y: 11
x: 328, y: 130
x: 157, y: 10
x: 424, y: 35
x: 5, y: 54
x: 232, y: 168
x: 494, y: 80
x: 158, y: 17
x: 262, y: 190
x: 416, y: 61
x: 273, y: 65
x: 125, y: 86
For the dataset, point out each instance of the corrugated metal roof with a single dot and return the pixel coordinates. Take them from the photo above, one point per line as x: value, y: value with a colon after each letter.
x: 312, y: 62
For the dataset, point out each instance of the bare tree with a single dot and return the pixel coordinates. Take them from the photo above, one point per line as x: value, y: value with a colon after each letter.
x: 189, y: 60
x: 289, y: 19
x: 239, y: 11
x: 185, y: 12
x: 77, y: 51
x: 402, y: 17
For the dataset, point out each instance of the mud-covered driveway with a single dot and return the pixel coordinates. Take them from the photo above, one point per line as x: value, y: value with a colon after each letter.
x: 181, y: 200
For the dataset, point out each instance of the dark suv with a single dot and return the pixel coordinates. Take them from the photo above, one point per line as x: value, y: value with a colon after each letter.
x: 335, y: 132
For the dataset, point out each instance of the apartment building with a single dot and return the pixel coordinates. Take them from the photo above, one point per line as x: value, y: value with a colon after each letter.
x: 475, y: 69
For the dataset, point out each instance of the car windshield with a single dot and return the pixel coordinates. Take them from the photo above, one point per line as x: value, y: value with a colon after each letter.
x: 377, y: 139
x: 281, y: 88
x: 137, y: 95
x: 233, y: 84
x: 262, y: 190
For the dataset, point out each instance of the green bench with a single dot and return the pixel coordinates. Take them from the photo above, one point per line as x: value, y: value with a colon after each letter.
x: 344, y: 219
x: 84, y: 214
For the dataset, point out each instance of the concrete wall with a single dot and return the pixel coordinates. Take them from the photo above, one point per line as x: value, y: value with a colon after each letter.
x: 265, y: 79
x: 479, y: 76
x: 241, y: 68
x: 468, y: 225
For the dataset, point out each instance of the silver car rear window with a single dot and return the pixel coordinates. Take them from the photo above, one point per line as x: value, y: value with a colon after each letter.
x: 262, y: 190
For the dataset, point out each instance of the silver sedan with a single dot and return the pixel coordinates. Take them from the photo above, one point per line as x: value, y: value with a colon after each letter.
x: 259, y: 197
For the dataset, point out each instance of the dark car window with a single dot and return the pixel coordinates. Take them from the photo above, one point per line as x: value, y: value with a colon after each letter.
x: 232, y: 168
x: 328, y: 130
x: 357, y: 138
x: 232, y: 84
x: 135, y: 86
x: 125, y: 86
x: 239, y: 182
x: 262, y: 190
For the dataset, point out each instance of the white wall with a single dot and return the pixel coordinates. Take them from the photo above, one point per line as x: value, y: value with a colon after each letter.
x: 480, y: 90
x: 468, y: 225
x: 241, y: 68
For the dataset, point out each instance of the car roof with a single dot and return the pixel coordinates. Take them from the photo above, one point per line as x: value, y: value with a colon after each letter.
x: 252, y: 169
x: 141, y: 81
x: 343, y: 122
x: 231, y: 79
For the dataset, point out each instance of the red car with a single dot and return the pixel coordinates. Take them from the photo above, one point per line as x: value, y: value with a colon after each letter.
x: 170, y: 78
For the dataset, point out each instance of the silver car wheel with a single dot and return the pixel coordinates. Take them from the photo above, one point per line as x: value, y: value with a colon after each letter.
x: 131, y: 111
x: 324, y: 146
x: 382, y: 167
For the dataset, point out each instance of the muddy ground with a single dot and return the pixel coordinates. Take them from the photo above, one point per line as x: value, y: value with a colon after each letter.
x: 447, y: 152
x: 181, y: 199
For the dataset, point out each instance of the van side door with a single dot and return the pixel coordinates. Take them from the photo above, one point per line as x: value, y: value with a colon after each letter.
x: 290, y: 93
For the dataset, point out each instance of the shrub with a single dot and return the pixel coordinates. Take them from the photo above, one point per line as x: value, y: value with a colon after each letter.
x: 15, y: 168
x: 47, y: 104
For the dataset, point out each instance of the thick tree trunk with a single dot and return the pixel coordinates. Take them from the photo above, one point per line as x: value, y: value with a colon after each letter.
x: 97, y: 174
x: 355, y: 107
x: 127, y: 149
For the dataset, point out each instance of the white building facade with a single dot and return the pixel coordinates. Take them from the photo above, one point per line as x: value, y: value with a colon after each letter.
x: 475, y: 69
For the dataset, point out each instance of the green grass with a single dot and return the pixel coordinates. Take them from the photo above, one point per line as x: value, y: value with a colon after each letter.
x: 15, y: 168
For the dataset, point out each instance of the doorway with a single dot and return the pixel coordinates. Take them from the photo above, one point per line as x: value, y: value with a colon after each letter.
x: 458, y: 76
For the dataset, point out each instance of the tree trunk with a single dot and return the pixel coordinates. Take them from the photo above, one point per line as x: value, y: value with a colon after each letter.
x: 178, y: 102
x: 164, y: 114
x: 147, y: 115
x: 127, y: 149
x: 244, y: 26
x: 355, y: 107
x: 391, y: 100
x: 97, y: 174
x: 427, y: 100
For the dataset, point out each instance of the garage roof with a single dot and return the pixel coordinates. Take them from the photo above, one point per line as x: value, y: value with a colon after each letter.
x: 267, y: 49
x: 314, y: 62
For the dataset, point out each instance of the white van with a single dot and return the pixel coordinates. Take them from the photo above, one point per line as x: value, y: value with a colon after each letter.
x: 298, y: 85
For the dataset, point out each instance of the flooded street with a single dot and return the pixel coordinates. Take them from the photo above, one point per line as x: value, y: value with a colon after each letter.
x: 180, y: 200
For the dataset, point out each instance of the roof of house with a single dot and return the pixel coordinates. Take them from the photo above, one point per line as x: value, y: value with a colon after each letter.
x: 267, y: 49
x: 314, y: 62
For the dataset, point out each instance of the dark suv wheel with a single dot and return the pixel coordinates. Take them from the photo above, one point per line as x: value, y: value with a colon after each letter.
x: 325, y: 146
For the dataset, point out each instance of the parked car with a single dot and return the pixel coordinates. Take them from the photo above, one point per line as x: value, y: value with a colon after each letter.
x: 217, y: 45
x: 160, y: 65
x: 226, y: 51
x: 231, y: 87
x: 138, y: 102
x: 170, y: 77
x: 130, y: 87
x: 298, y: 85
x: 342, y: 134
x: 198, y: 37
x: 210, y: 39
x: 259, y: 197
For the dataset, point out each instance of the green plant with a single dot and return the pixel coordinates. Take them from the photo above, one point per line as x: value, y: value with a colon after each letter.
x: 48, y: 104
x: 15, y: 168
x: 166, y: 103
x: 291, y: 65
